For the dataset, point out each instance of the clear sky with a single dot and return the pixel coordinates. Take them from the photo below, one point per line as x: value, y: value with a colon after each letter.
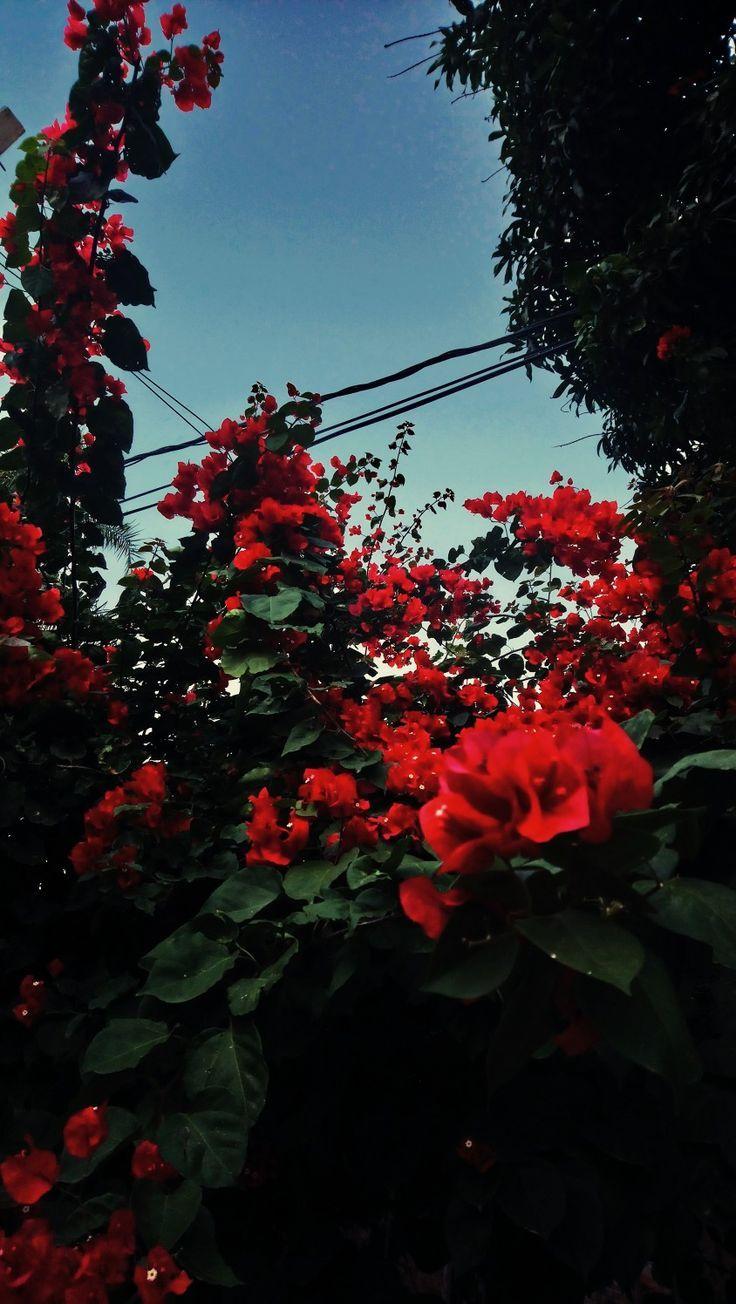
x: 323, y: 224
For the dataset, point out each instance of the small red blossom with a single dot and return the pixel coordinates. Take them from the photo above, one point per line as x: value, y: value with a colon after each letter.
x: 29, y: 1175
x: 148, y: 1163
x: 175, y: 23
x: 423, y: 903
x: 85, y: 1131
x: 669, y: 342
x: 158, y: 1276
x: 272, y: 843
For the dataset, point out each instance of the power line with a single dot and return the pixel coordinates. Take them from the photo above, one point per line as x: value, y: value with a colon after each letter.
x: 170, y: 406
x: 390, y: 378
x: 414, y: 401
x: 447, y: 357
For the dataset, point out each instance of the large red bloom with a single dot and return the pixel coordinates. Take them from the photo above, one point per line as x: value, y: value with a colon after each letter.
x: 503, y: 794
x: 499, y: 794
x: 85, y: 1131
x: 29, y: 1175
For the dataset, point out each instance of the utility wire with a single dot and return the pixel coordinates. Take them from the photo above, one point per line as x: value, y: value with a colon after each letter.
x: 363, y: 386
x: 415, y: 401
x: 447, y: 357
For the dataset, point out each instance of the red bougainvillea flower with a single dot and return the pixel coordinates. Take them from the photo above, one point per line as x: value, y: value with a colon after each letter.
x: 617, y: 776
x: 668, y: 342
x: 148, y: 1163
x: 336, y: 794
x: 32, y: 1003
x: 478, y: 1154
x: 175, y: 23
x: 85, y: 1131
x: 498, y: 794
x: 578, y: 1037
x: 423, y: 903
x: 29, y: 1175
x: 272, y: 843
x: 159, y: 1276
x: 502, y: 794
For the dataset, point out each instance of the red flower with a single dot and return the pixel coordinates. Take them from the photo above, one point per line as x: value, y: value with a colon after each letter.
x: 270, y: 842
x: 423, y: 903
x: 160, y: 1276
x: 500, y: 794
x: 578, y: 1037
x: 32, y: 1002
x: 668, y: 342
x: 337, y: 794
x: 147, y: 1163
x: 175, y: 23
x: 478, y: 1154
x: 29, y: 1175
x: 85, y: 1131
x: 617, y: 776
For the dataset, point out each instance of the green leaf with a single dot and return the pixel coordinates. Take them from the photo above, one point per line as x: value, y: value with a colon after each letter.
x: 186, y: 965
x: 272, y: 608
x: 468, y: 972
x: 231, y: 1061
x: 111, y: 419
x: 244, y: 894
x: 696, y: 908
x: 208, y: 1145
x: 527, y: 1019
x: 123, y: 1044
x: 201, y: 1257
x: 646, y: 1027
x: 304, y: 733
x: 237, y: 663
x: 716, y: 760
x: 244, y: 995
x: 148, y: 151
x: 37, y: 281
x: 305, y: 882
x: 128, y: 279
x: 123, y: 344
x: 89, y: 1216
x: 585, y: 942
x: 163, y: 1216
x: 121, y: 1126
x: 638, y: 727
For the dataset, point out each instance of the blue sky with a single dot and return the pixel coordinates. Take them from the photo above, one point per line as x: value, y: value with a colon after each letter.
x: 324, y: 225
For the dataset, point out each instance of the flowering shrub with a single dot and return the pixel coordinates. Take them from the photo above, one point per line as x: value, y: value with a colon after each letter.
x: 368, y: 934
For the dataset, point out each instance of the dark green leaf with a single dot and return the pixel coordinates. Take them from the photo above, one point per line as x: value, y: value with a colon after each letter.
x: 472, y: 971
x: 231, y: 1061
x: 201, y: 1256
x: 163, y: 1216
x: 245, y: 893
x: 697, y: 908
x: 123, y: 1044
x: 588, y: 943
x: 128, y: 279
x: 646, y: 1027
x: 208, y: 1145
x: 186, y: 965
x: 304, y: 733
x: 305, y: 882
x: 273, y: 608
x: 123, y: 344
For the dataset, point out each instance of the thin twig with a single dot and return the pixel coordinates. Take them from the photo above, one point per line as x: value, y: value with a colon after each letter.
x: 419, y: 36
x: 409, y: 67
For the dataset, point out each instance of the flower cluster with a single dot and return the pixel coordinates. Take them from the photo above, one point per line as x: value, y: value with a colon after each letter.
x: 504, y: 791
x: 113, y: 828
